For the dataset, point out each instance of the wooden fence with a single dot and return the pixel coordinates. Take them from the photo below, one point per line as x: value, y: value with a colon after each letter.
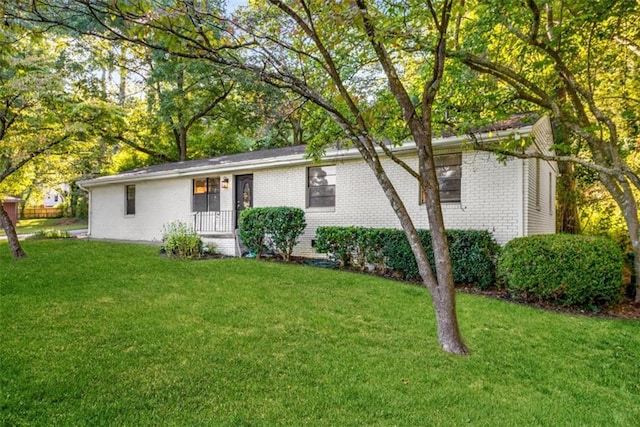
x: 41, y: 212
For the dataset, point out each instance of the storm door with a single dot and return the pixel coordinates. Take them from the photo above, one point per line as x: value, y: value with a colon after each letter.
x: 244, y: 194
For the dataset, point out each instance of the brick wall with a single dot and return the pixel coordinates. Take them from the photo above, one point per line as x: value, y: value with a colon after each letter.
x: 491, y: 197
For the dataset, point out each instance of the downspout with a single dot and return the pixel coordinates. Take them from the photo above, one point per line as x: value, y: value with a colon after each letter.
x: 89, y: 204
x: 521, y: 201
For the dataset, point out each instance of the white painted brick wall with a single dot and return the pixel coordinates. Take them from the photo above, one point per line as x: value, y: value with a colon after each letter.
x: 491, y: 199
x: 157, y: 203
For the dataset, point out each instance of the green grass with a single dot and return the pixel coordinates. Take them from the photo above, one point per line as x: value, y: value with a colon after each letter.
x: 27, y: 226
x: 95, y: 333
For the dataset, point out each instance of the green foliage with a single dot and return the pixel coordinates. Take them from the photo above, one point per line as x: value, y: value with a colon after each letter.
x: 51, y: 234
x: 337, y: 242
x: 252, y: 226
x: 275, y: 228
x: 284, y: 225
x: 181, y: 241
x: 567, y: 270
x: 473, y: 252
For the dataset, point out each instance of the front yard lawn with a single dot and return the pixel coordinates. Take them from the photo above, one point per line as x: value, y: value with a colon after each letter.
x: 96, y: 333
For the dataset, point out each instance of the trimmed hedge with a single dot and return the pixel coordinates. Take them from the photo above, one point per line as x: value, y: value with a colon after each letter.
x: 473, y: 252
x: 271, y: 228
x: 353, y: 246
x: 566, y: 270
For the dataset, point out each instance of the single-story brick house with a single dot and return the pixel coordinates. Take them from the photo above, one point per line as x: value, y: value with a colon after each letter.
x: 510, y: 198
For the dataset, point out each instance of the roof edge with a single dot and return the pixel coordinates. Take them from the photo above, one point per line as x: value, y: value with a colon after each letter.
x: 335, y: 154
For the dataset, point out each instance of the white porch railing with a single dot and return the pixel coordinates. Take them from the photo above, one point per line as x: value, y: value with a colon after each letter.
x: 214, y: 222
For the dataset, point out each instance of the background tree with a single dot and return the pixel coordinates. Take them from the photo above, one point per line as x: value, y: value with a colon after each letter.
x: 294, y: 46
x: 578, y: 61
x: 39, y: 112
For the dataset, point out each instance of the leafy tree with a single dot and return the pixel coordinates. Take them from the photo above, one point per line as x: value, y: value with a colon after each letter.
x: 381, y: 48
x: 579, y: 61
x: 39, y: 112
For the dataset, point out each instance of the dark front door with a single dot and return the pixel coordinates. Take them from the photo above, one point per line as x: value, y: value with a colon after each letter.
x: 244, y: 194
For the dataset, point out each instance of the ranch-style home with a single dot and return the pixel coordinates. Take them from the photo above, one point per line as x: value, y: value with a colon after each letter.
x: 511, y: 198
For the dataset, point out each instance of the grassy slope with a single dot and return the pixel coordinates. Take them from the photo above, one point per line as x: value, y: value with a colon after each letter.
x: 95, y: 333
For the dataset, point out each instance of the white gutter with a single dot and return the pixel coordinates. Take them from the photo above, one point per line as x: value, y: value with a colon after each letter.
x: 294, y: 159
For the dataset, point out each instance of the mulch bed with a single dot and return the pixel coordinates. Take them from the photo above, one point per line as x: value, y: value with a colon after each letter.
x: 626, y: 309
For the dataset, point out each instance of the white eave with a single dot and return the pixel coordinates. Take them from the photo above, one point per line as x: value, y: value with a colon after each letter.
x: 331, y: 155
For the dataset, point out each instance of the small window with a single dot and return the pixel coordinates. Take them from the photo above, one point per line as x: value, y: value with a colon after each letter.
x: 321, y: 186
x: 206, y: 194
x: 449, y: 173
x: 130, y: 191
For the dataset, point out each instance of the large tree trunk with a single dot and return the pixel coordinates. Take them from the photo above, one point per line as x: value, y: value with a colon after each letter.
x: 12, y: 236
x: 568, y: 219
x: 630, y: 214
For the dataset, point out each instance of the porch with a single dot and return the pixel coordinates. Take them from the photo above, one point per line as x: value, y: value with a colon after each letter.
x: 218, y: 228
x: 214, y: 223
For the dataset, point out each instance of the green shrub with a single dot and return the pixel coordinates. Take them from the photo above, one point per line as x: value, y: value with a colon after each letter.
x: 369, y: 246
x: 181, y: 241
x: 567, y: 270
x: 252, y: 227
x: 337, y: 242
x: 473, y: 255
x: 473, y: 252
x: 275, y: 228
x: 284, y: 225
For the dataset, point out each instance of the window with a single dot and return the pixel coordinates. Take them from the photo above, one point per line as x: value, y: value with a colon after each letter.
x: 130, y: 195
x: 206, y: 194
x: 321, y: 186
x: 449, y: 173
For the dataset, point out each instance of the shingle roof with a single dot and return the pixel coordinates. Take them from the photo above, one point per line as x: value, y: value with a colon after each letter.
x: 514, y: 122
x: 221, y: 160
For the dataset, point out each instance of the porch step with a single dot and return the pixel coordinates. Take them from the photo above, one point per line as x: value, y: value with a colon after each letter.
x: 213, y: 235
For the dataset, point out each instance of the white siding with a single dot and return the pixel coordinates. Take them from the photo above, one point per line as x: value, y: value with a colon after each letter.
x: 541, y: 189
x: 541, y: 214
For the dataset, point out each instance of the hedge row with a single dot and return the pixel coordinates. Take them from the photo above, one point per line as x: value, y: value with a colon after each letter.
x: 566, y: 270
x: 271, y: 228
x: 473, y: 252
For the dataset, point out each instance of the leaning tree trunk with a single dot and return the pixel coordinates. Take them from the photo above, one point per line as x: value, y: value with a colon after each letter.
x: 622, y: 194
x: 630, y: 214
x: 441, y: 288
x: 12, y: 236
